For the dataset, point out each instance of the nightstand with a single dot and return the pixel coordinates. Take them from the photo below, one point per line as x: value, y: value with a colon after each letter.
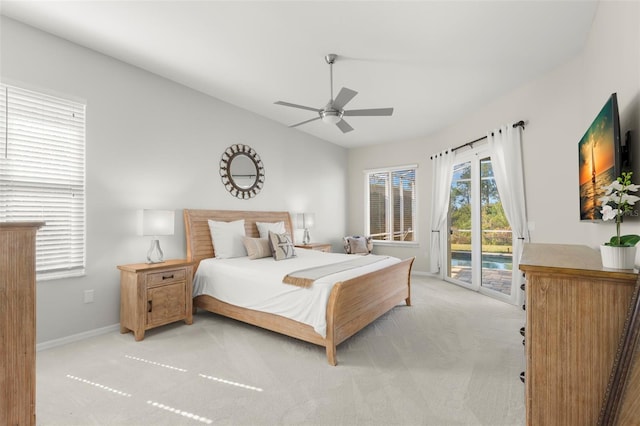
x: 316, y: 246
x: 155, y: 294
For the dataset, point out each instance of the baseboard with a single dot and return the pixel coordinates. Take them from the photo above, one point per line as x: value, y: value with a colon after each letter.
x: 76, y: 337
x: 425, y: 274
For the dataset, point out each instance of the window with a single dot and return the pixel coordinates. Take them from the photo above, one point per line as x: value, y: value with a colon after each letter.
x: 42, y: 175
x: 391, y: 204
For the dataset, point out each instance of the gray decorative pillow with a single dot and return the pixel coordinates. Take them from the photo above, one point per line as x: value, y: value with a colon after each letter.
x: 358, y: 245
x: 281, y: 246
x: 257, y: 248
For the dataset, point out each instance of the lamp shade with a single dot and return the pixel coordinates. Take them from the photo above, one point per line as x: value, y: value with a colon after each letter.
x: 156, y: 222
x: 309, y: 220
x: 305, y: 220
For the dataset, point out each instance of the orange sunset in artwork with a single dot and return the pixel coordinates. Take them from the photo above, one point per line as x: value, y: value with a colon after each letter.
x: 597, y: 161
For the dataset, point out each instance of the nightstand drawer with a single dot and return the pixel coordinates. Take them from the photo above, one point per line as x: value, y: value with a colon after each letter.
x: 165, y: 277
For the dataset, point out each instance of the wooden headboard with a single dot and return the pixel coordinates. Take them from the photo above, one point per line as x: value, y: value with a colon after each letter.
x: 199, y: 244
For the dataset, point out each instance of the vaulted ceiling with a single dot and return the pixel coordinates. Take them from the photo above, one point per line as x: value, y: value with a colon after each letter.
x: 433, y: 61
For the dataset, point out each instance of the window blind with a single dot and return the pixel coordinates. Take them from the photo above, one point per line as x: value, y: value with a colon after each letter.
x: 378, y: 201
x: 42, y: 175
x: 392, y: 204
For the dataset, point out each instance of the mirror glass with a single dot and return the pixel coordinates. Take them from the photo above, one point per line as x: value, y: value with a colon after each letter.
x: 243, y: 171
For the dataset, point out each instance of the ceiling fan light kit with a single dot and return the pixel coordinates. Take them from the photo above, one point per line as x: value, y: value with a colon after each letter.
x: 330, y: 117
x: 334, y: 111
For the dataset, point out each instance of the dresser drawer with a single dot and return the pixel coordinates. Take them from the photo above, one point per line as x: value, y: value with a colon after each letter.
x: 165, y: 277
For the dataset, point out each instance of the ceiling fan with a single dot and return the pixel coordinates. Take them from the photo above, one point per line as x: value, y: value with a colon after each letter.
x: 334, y: 111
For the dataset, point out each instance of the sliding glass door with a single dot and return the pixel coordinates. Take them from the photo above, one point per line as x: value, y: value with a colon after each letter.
x: 459, y: 251
x: 480, y: 239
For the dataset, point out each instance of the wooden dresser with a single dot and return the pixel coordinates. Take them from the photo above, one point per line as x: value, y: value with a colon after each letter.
x: 18, y: 323
x: 575, y: 314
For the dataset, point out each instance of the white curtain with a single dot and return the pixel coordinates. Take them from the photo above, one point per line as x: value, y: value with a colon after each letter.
x: 505, y: 145
x: 441, y: 190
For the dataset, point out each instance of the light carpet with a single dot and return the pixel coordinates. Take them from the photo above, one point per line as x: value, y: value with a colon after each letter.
x: 452, y: 358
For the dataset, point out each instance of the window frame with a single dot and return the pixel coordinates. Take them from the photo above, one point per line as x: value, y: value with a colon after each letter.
x: 44, y: 147
x: 367, y: 200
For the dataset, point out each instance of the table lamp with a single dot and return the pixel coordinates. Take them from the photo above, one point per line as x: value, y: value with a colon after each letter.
x: 305, y: 221
x: 155, y: 223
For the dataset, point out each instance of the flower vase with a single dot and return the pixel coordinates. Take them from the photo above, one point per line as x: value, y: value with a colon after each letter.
x: 618, y: 257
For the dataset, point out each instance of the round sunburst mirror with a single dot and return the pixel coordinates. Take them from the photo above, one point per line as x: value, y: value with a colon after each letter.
x: 241, y: 171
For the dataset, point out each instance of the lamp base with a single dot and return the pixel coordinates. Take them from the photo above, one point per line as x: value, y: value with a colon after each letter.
x: 155, y: 255
x: 306, y: 239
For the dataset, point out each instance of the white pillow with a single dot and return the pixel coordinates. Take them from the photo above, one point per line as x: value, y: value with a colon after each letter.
x: 227, y: 238
x: 265, y: 227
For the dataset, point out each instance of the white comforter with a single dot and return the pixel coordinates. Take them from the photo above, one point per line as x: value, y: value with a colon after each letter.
x: 257, y: 284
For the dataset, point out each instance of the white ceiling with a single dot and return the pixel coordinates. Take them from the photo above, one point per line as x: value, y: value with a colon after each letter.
x: 433, y: 61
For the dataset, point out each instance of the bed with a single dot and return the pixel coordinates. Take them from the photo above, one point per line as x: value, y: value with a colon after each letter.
x: 352, y: 303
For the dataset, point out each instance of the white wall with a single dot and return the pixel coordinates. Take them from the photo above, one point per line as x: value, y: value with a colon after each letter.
x: 152, y: 143
x: 558, y: 107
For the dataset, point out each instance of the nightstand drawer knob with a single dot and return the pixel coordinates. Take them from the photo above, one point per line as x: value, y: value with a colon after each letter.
x: 149, y: 305
x: 167, y: 277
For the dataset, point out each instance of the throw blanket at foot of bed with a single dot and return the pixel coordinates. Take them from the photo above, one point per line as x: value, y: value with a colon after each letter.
x: 306, y: 277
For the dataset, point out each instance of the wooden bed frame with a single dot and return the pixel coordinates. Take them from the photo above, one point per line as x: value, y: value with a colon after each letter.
x: 353, y: 304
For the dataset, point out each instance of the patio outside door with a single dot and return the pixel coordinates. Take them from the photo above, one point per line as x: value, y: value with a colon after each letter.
x: 479, y: 239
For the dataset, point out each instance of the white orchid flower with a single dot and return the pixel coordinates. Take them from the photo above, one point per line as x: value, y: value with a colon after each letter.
x: 605, y: 200
x: 632, y: 187
x: 629, y: 199
x: 608, y: 212
x: 613, y: 186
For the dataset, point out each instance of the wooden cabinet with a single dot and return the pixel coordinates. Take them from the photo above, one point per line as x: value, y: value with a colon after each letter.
x: 316, y: 246
x: 575, y: 314
x: 18, y: 323
x: 152, y: 295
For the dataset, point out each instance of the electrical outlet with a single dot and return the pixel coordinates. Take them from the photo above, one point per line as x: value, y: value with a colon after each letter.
x: 88, y: 296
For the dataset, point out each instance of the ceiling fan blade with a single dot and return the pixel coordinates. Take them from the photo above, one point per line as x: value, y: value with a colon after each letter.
x: 344, y: 126
x: 304, y: 122
x: 369, y: 112
x: 343, y: 98
x: 296, y: 106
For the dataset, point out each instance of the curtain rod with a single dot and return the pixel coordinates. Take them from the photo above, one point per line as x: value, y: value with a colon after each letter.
x: 520, y: 123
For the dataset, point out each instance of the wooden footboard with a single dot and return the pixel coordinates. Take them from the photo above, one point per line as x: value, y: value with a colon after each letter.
x: 356, y: 303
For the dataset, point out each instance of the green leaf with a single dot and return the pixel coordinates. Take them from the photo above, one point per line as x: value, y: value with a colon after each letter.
x: 625, y: 241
